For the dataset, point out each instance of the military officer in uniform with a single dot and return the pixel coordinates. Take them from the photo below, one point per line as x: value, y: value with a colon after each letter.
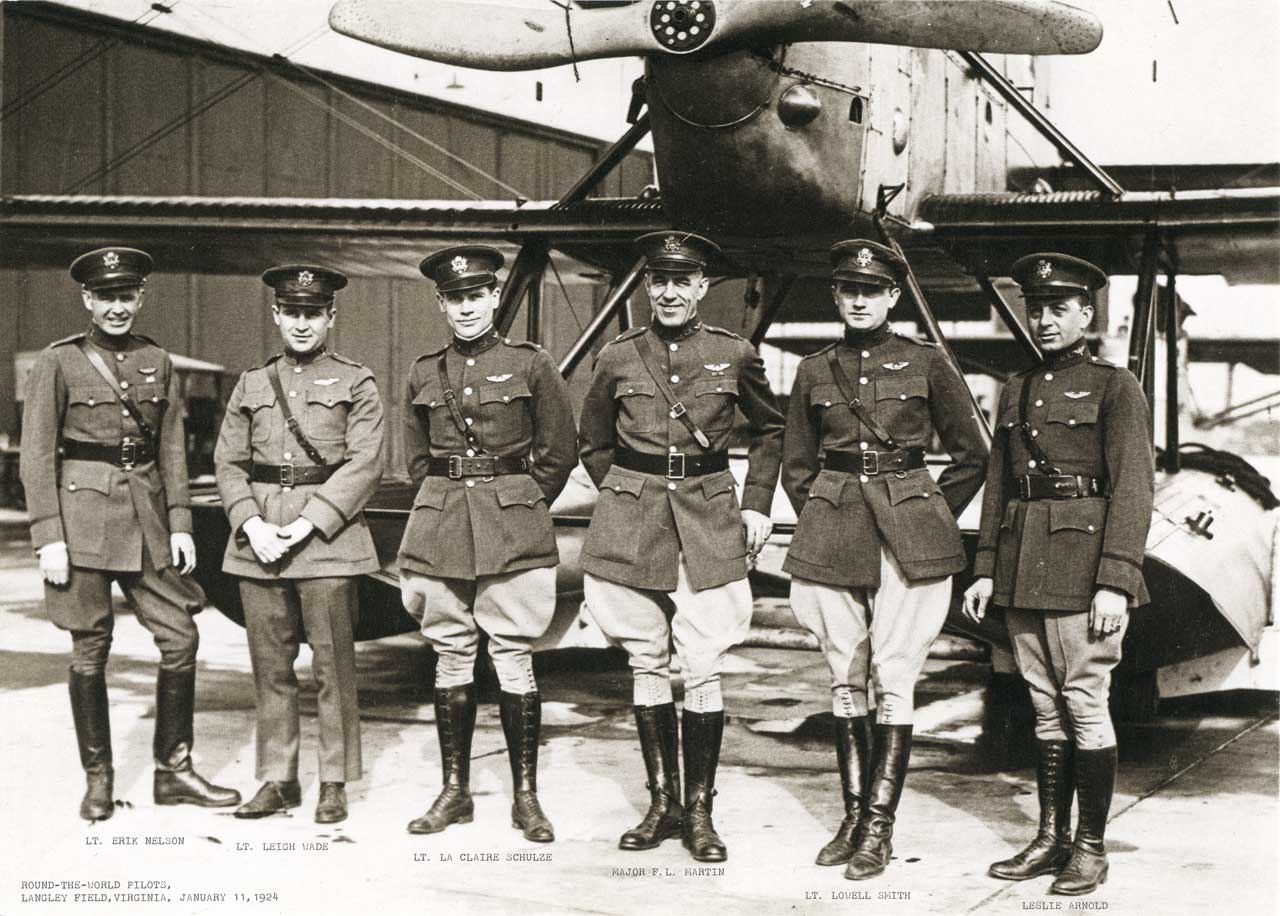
x: 1064, y: 528
x: 876, y: 540
x: 489, y: 440
x: 668, y: 539
x: 298, y: 456
x: 105, y: 471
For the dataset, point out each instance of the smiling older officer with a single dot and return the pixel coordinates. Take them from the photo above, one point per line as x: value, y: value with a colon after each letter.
x: 668, y: 538
x: 489, y: 440
x: 876, y: 540
x: 299, y: 454
x: 105, y: 470
x: 1064, y: 528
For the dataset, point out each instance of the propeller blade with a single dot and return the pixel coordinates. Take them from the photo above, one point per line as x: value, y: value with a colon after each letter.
x: 493, y: 36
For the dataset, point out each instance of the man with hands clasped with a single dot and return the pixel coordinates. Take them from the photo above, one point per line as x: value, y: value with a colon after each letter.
x: 105, y: 471
x: 1064, y: 526
x: 298, y: 456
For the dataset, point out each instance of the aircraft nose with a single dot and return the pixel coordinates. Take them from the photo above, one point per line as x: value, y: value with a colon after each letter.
x: 735, y: 90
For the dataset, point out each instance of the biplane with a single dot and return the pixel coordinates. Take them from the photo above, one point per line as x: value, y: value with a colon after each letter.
x: 778, y: 128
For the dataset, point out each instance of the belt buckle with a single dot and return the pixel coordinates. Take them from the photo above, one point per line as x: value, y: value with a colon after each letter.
x: 286, y: 475
x: 128, y: 453
x: 678, y: 410
x: 675, y: 466
x: 1024, y: 486
x: 1062, y: 484
x: 455, y: 467
x: 871, y: 462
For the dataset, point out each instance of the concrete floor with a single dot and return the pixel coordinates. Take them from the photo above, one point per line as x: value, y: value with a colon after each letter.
x: 1194, y: 824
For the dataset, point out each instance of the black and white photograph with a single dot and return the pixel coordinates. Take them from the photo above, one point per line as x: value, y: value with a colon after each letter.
x: 639, y: 457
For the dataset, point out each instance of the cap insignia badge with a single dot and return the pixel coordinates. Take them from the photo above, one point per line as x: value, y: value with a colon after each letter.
x: 111, y: 259
x: 306, y: 278
x: 459, y: 265
x: 1043, y: 269
x: 1077, y: 395
x: 671, y: 243
x: 864, y: 257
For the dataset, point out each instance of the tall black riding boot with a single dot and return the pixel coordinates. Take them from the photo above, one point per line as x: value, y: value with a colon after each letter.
x: 1095, y: 784
x: 455, y: 724
x: 659, y: 737
x: 853, y: 756
x: 1051, y: 848
x: 889, y: 768
x: 176, y: 781
x: 522, y: 724
x: 702, y: 734
x: 90, y: 713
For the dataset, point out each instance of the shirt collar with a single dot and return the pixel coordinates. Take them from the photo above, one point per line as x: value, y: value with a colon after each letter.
x: 100, y: 338
x: 304, y: 359
x: 476, y: 345
x: 1061, y: 359
x: 865, y: 340
x: 688, y: 329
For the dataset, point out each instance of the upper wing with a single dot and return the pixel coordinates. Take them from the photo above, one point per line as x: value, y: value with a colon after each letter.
x: 1233, y: 232
x: 238, y: 235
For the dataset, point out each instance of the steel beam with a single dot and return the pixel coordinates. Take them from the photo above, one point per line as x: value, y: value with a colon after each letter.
x: 1172, y: 460
x: 526, y: 273
x: 1047, y: 128
x: 607, y: 162
x: 771, y: 309
x: 1020, y: 334
x: 616, y: 301
x: 1140, y: 332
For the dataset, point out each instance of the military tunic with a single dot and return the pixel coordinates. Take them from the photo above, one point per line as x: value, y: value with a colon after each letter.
x: 116, y: 522
x: 714, y: 373
x: 312, y: 590
x: 516, y: 400
x: 1049, y: 556
x: 844, y: 519
x: 1091, y: 419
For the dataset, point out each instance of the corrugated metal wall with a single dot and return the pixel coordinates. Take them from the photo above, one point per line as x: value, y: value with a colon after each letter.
x: 266, y: 138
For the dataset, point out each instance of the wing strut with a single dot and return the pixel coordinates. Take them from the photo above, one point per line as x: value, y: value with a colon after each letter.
x: 1047, y: 128
x: 1011, y: 321
x: 616, y: 302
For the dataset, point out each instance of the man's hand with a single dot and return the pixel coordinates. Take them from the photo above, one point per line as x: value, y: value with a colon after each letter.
x: 294, y: 532
x: 759, y: 527
x: 262, y: 538
x: 54, y: 565
x: 976, y: 599
x: 183, y: 549
x: 1107, y: 615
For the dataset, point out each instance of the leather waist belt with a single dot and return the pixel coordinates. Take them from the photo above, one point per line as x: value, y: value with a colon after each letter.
x: 1058, y: 486
x: 124, y: 454
x: 673, y: 466
x: 288, y: 475
x: 455, y: 467
x: 873, y: 462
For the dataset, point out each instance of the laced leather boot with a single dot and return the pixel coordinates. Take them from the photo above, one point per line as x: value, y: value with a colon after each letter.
x: 1095, y: 783
x: 702, y: 734
x: 455, y: 724
x: 659, y: 735
x: 853, y: 756
x: 1051, y: 848
x: 92, y: 719
x: 176, y: 781
x: 875, y: 840
x: 522, y: 724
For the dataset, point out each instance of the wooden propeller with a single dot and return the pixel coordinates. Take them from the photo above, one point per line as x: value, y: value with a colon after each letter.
x: 531, y: 35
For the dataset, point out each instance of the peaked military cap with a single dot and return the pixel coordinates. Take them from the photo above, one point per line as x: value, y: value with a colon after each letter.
x: 1047, y: 273
x: 304, y: 284
x: 105, y: 268
x: 462, y: 267
x: 864, y: 261
x: 676, y: 250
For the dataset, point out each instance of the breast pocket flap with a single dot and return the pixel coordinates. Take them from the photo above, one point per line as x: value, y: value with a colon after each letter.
x: 503, y: 394
x: 257, y: 398
x: 90, y: 395
x: 634, y: 388
x: 899, y: 389
x: 1074, y: 413
x: 705, y: 386
x: 329, y: 395
x: 824, y: 396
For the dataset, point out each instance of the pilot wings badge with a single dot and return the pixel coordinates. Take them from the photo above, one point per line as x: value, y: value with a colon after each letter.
x: 716, y: 367
x: 325, y: 381
x: 497, y: 378
x: 896, y: 366
x: 1077, y: 395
